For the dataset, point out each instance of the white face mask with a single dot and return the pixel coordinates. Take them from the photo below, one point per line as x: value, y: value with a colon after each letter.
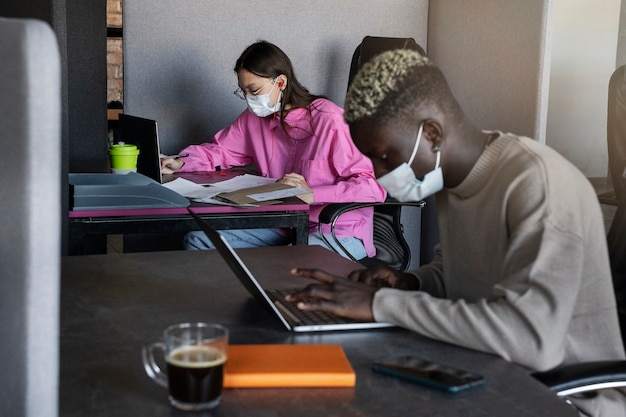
x: 260, y: 105
x: 402, y: 184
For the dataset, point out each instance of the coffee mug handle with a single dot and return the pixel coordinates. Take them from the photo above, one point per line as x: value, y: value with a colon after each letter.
x: 152, y: 369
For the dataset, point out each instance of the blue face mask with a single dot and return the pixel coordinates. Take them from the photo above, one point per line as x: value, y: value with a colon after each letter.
x: 260, y: 105
x: 402, y: 184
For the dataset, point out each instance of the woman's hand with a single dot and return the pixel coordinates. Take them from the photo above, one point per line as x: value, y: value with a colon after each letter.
x: 297, y: 180
x: 170, y: 165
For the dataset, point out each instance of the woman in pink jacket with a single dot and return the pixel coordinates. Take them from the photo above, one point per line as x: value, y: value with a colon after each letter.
x: 300, y: 138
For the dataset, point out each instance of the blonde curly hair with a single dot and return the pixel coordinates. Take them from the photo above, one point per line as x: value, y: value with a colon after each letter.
x: 394, y: 84
x: 376, y: 79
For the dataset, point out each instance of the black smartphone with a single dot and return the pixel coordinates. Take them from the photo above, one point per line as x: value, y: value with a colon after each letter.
x: 428, y: 373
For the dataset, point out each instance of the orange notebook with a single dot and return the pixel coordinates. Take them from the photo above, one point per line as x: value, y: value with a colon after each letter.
x: 256, y: 366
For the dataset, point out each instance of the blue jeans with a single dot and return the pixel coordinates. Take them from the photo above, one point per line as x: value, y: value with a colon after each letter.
x: 251, y: 238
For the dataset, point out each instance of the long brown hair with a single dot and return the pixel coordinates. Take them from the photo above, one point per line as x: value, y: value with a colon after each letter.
x: 267, y: 60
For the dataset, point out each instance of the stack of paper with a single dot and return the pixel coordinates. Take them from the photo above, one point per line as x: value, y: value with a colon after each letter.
x: 245, y: 191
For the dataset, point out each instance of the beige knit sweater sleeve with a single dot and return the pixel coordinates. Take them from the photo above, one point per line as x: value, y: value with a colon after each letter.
x: 522, y: 270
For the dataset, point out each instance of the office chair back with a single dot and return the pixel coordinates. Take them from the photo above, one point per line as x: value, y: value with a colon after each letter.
x: 616, y: 240
x: 371, y: 46
x: 616, y: 129
x: 392, y: 248
x: 404, y: 235
x: 30, y: 225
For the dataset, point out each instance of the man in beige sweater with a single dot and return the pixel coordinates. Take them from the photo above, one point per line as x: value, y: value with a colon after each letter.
x: 522, y: 269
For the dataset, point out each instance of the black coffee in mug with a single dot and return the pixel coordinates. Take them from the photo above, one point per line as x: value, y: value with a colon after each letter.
x: 195, y: 374
x: 195, y: 354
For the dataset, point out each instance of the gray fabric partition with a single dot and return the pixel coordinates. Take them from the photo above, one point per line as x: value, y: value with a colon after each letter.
x: 179, y: 57
x: 621, y: 40
x: 30, y: 235
x: 496, y: 55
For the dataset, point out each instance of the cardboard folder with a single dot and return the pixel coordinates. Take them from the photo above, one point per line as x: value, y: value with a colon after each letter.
x: 256, y: 366
x: 272, y: 193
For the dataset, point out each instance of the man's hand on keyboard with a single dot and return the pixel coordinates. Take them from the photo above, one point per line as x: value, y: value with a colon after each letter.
x: 334, y: 294
x: 383, y: 276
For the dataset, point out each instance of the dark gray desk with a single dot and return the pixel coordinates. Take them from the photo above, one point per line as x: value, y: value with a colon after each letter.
x: 114, y: 304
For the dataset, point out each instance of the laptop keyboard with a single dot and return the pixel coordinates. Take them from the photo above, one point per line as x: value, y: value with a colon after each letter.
x: 300, y: 316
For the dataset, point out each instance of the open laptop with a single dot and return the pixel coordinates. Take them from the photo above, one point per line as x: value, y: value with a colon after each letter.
x: 292, y: 318
x: 144, y: 133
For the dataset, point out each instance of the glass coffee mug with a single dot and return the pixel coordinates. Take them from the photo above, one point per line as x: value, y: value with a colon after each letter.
x: 195, y: 354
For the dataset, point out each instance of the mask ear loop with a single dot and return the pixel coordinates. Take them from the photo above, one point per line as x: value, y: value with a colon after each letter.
x: 272, y: 89
x: 281, y: 108
x: 417, y: 143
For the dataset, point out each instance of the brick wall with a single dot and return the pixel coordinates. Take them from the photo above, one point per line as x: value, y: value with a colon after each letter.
x: 115, y: 68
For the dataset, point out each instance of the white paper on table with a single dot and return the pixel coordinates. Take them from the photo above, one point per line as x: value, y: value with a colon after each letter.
x: 190, y: 189
x: 242, y: 181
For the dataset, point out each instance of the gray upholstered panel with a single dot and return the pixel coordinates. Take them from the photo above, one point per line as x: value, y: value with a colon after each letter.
x: 621, y: 41
x: 178, y: 60
x: 495, y: 54
x: 30, y: 133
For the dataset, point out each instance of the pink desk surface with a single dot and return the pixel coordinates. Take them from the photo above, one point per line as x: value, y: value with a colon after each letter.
x: 292, y: 204
x: 200, y: 209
